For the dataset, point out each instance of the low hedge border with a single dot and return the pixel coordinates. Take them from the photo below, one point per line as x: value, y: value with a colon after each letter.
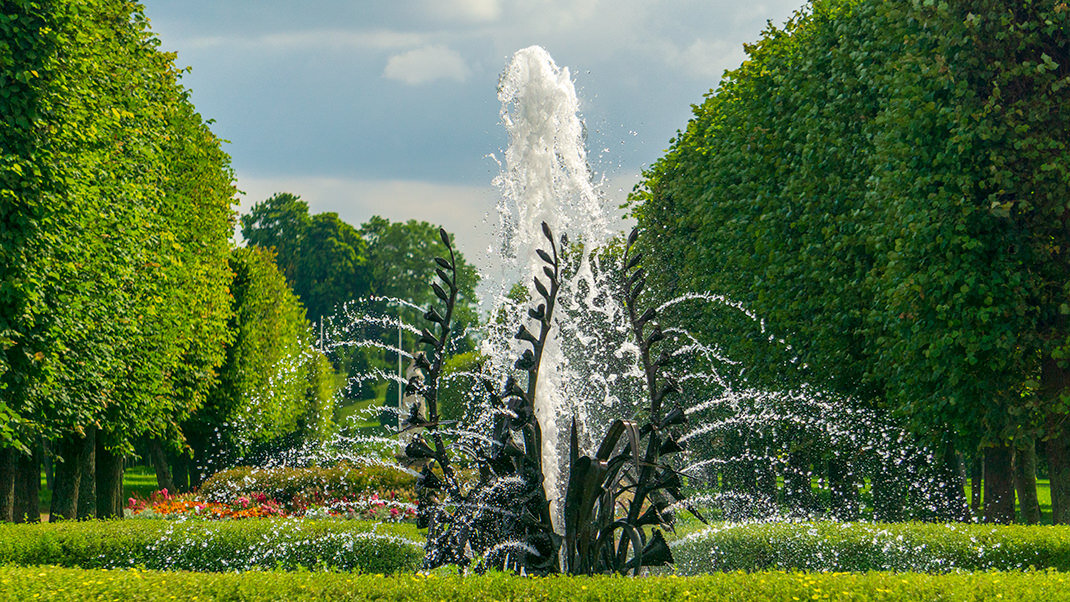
x: 284, y: 483
x: 914, y: 547
x: 51, y: 583
x: 197, y: 545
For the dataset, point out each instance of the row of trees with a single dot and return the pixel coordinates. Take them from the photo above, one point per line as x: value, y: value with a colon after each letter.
x: 886, y: 184
x: 330, y: 263
x: 121, y: 301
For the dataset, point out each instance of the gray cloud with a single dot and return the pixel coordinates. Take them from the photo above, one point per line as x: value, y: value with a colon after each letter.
x: 357, y: 104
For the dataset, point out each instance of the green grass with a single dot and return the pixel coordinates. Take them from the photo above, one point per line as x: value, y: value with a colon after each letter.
x: 859, y: 547
x: 1043, y: 496
x: 359, y: 411
x: 220, y: 545
x: 137, y: 480
x: 52, y: 583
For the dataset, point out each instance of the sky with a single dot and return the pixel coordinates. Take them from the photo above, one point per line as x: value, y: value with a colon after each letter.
x: 390, y: 108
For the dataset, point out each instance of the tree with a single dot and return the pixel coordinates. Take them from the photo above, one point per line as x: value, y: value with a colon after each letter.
x: 116, y: 219
x: 280, y: 223
x: 332, y: 267
x: 272, y: 383
x: 881, y: 182
x: 399, y: 258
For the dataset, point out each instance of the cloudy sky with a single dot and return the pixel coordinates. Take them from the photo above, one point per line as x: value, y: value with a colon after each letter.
x: 368, y: 107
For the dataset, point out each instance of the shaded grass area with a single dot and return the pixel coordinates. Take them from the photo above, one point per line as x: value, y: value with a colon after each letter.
x: 51, y: 583
x: 137, y: 481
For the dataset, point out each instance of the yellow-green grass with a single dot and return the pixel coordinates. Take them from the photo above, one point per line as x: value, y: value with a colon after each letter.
x: 51, y: 583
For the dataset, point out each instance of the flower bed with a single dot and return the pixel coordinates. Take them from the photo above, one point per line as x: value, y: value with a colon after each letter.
x: 390, y: 506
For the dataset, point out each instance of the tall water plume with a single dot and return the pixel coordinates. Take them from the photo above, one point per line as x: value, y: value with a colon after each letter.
x: 546, y: 178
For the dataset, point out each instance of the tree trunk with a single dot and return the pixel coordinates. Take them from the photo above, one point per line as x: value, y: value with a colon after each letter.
x: 159, y: 462
x: 889, y: 494
x: 109, y: 483
x: 67, y: 464
x: 950, y: 503
x: 843, y: 490
x: 798, y: 495
x: 1058, y: 448
x: 999, y: 485
x: 46, y: 461
x: 28, y: 486
x: 1054, y: 383
x: 977, y: 475
x: 765, y: 483
x: 1025, y: 482
x: 8, y: 457
x: 87, y: 488
x: 181, y: 474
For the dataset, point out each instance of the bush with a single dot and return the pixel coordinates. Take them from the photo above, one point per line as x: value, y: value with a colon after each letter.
x: 872, y: 547
x: 215, y: 546
x: 315, y: 483
x: 17, y: 583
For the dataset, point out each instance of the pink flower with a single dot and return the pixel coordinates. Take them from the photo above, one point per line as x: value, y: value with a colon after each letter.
x: 393, y: 512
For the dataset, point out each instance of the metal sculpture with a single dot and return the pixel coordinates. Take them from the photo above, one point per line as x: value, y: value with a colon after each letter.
x: 617, y: 502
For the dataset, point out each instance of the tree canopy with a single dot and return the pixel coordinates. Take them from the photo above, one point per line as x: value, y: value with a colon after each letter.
x: 885, y: 185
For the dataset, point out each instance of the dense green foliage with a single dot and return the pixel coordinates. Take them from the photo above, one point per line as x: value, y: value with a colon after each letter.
x: 399, y: 255
x: 860, y: 547
x: 52, y: 583
x: 214, y: 545
x: 338, y: 272
x: 116, y: 220
x: 336, y: 481
x: 324, y: 259
x: 125, y: 320
x: 273, y: 383
x: 885, y: 184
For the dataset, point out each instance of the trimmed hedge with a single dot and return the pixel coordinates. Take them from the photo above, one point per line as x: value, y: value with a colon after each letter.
x: 285, y: 483
x: 920, y: 547
x: 50, y: 583
x: 215, y: 545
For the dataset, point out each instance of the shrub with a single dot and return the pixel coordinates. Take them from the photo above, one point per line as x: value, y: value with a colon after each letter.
x: 215, y: 546
x: 872, y: 547
x: 315, y: 483
x: 18, y: 583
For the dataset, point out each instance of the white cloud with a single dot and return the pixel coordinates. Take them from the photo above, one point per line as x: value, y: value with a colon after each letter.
x: 473, y: 11
x: 706, y: 59
x: 426, y: 64
x: 461, y: 209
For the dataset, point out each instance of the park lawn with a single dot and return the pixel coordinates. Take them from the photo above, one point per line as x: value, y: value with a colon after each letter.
x: 53, y: 583
x: 137, y: 481
x: 360, y: 413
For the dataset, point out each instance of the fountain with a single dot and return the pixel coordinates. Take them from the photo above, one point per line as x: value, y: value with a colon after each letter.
x: 575, y: 461
x: 608, y: 513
